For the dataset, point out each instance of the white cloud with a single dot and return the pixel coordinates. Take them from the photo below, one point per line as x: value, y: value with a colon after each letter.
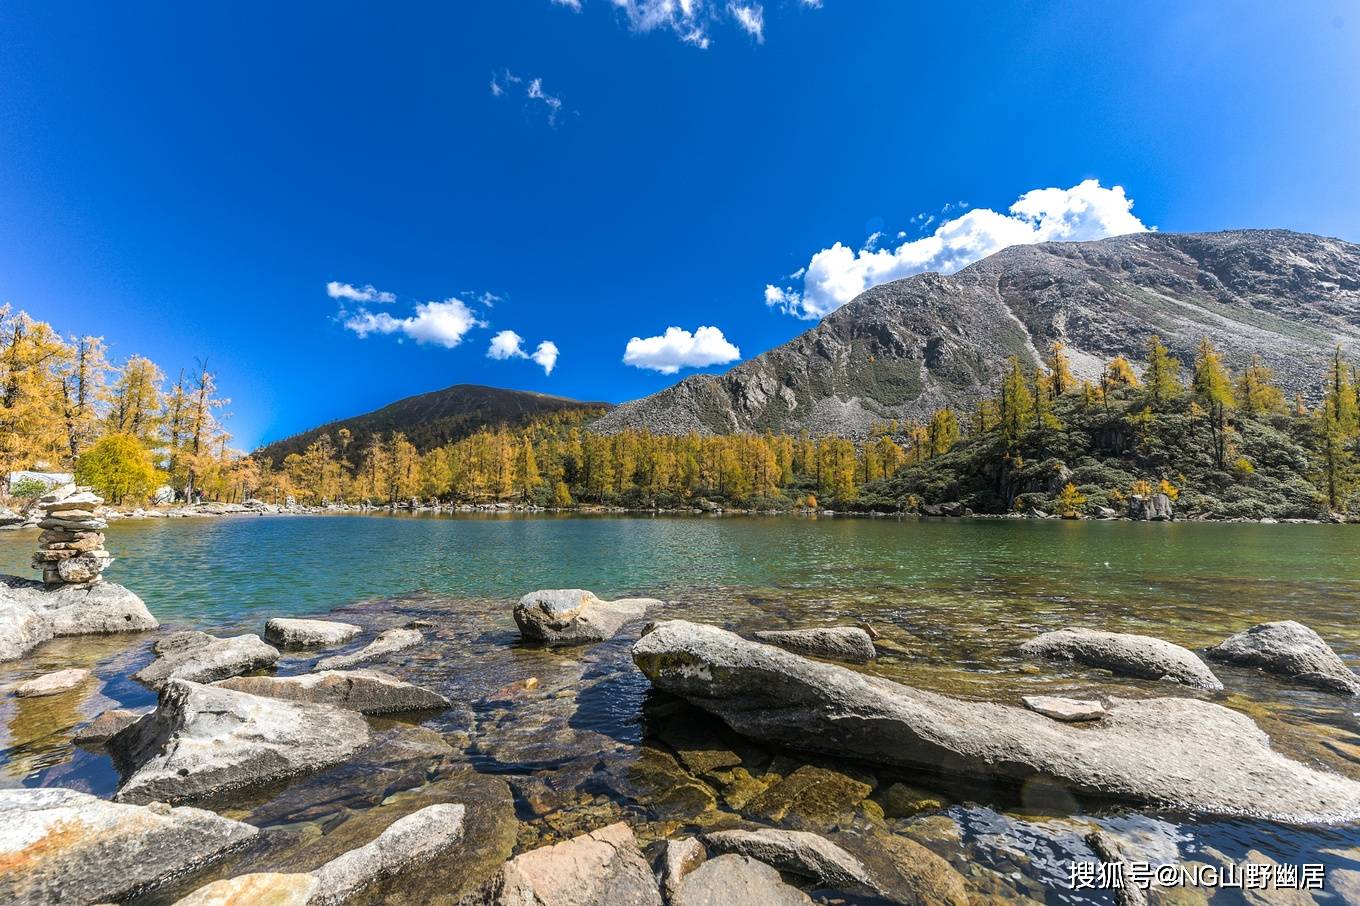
x: 678, y: 349
x: 751, y: 18
x: 546, y: 356
x: 441, y: 323
x: 691, y: 20
x: 366, y: 293
x: 838, y: 274
x: 502, y: 83
x: 509, y: 345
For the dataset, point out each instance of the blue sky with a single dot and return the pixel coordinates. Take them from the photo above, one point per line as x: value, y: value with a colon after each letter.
x: 187, y: 180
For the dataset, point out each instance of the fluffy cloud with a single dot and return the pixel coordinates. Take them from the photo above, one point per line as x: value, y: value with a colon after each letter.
x: 838, y: 274
x: 509, y: 345
x: 678, y: 349
x: 441, y: 323
x: 366, y: 293
x: 691, y: 20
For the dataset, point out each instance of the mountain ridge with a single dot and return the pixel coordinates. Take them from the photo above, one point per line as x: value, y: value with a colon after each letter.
x: 903, y: 349
x: 437, y: 417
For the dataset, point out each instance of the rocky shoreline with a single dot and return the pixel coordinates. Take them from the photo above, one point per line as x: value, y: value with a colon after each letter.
x: 800, y: 790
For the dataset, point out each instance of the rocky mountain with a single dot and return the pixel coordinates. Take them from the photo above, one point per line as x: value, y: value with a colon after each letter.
x: 433, y: 419
x: 907, y: 348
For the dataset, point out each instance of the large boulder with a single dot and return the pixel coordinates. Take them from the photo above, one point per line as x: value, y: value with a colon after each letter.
x: 389, y: 642
x: 574, y: 616
x: 62, y: 846
x: 408, y: 842
x: 1150, y: 508
x: 32, y: 613
x: 1290, y: 650
x: 204, y: 740
x: 842, y: 643
x: 796, y: 852
x: 733, y: 880
x: 365, y: 691
x: 601, y: 868
x: 1126, y: 654
x: 197, y: 657
x: 1181, y: 753
x: 288, y: 633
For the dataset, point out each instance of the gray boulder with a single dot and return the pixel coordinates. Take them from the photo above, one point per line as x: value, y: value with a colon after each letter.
x: 197, y: 657
x: 61, y: 846
x: 32, y: 613
x: 105, y: 727
x: 843, y: 643
x: 796, y: 852
x: 574, y: 616
x: 1152, y: 508
x: 288, y: 633
x: 1126, y: 654
x: 734, y: 880
x: 1290, y: 650
x: 673, y: 860
x: 365, y: 691
x: 204, y: 740
x: 389, y: 642
x: 409, y: 841
x: 601, y: 868
x: 1182, y: 753
x: 53, y: 683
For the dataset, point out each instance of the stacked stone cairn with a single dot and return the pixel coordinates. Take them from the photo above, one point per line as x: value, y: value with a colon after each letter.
x: 71, y: 546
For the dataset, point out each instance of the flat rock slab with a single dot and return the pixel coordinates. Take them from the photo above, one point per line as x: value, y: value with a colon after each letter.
x: 266, y: 888
x: 733, y: 880
x: 53, y: 683
x: 574, y: 616
x: 62, y: 846
x: 846, y: 643
x: 1126, y: 654
x: 389, y: 642
x: 197, y: 657
x: 1290, y: 650
x: 796, y: 852
x: 420, y: 836
x: 205, y: 740
x: 288, y: 633
x: 32, y: 613
x: 601, y: 867
x: 365, y: 691
x: 105, y: 727
x: 1180, y: 753
x: 1069, y: 710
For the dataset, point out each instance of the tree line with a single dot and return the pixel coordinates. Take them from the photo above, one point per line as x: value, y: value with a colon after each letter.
x: 122, y: 427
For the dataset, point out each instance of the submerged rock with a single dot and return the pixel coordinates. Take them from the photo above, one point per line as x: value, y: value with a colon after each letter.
x: 1140, y: 656
x: 843, y: 643
x: 32, y: 613
x: 197, y: 657
x: 62, y: 846
x: 573, y: 616
x: 389, y: 642
x: 53, y: 683
x: 796, y: 852
x: 287, y: 633
x: 205, y: 740
x: 1181, y: 753
x: 734, y: 880
x: 915, y: 876
x: 1290, y: 650
x: 1070, y: 710
x: 365, y: 691
x: 266, y: 888
x: 601, y: 868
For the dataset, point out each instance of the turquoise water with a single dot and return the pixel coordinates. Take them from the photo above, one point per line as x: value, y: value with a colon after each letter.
x: 953, y: 598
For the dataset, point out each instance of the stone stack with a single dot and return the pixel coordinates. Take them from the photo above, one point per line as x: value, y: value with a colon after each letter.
x: 71, y: 546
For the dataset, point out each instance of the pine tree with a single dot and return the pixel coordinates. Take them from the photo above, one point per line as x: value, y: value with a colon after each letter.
x: 1162, y: 377
x: 1338, y: 425
x: 1060, y: 370
x: 1015, y: 404
x: 1256, y: 390
x: 1214, y: 393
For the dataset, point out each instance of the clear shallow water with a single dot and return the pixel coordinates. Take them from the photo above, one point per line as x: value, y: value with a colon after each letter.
x: 955, y: 597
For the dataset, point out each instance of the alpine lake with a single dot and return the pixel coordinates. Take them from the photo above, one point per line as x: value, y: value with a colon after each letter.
x: 551, y: 743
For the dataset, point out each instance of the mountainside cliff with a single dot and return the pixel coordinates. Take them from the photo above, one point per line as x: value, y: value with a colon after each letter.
x: 907, y: 348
